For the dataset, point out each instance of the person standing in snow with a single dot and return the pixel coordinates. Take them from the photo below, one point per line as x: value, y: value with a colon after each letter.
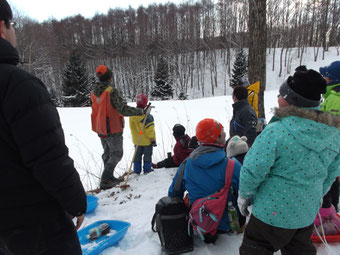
x: 244, y: 120
x: 331, y: 104
x: 147, y: 138
x: 237, y: 149
x: 289, y: 168
x: 205, y: 170
x: 40, y: 189
x: 108, y: 111
x: 331, y: 74
x: 181, y: 149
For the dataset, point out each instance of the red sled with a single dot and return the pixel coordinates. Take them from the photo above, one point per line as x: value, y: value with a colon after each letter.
x: 329, y: 239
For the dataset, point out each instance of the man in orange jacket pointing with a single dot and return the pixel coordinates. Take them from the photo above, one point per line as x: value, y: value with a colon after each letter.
x: 108, y: 111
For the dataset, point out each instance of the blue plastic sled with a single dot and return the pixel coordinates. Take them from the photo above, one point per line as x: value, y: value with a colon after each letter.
x: 97, y: 246
x: 92, y: 203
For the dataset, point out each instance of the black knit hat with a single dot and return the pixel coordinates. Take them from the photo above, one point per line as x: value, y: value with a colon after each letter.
x: 103, y: 73
x: 178, y: 130
x: 5, y: 12
x: 304, y: 88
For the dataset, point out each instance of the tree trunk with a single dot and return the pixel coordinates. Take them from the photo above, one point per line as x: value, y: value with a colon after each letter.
x: 257, y: 48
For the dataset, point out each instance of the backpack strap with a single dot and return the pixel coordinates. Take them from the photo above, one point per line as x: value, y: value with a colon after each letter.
x: 179, y: 178
x: 229, y: 172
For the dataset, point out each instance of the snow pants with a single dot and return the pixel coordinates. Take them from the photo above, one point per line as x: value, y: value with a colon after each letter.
x: 145, y: 153
x: 113, y: 153
x: 263, y: 239
x: 332, y: 196
x: 167, y: 163
x: 55, y: 237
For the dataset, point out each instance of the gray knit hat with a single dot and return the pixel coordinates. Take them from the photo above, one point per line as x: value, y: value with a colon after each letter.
x: 236, y: 146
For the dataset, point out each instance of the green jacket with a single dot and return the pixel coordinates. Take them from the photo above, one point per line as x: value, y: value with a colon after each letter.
x: 291, y: 166
x: 116, y: 100
x: 332, y: 99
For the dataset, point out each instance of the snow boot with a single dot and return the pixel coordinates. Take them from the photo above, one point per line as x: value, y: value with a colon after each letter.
x: 110, y: 183
x: 137, y: 167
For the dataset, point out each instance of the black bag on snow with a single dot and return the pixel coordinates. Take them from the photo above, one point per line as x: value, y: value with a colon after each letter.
x: 171, y: 220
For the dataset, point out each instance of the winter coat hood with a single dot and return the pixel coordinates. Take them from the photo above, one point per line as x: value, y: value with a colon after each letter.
x: 8, y: 54
x: 317, y: 131
x: 207, y: 156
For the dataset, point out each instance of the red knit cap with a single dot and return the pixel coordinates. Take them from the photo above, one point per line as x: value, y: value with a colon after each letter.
x: 208, y: 130
x: 141, y: 100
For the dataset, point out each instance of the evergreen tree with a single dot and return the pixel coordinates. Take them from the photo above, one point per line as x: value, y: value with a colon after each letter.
x: 163, y: 89
x: 240, y: 69
x: 76, y: 82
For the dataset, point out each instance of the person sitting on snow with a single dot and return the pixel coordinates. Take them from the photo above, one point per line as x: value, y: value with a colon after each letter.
x: 288, y: 169
x: 205, y: 169
x: 147, y: 137
x: 181, y: 150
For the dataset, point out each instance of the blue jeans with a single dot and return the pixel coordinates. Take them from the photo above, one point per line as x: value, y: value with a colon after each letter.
x: 145, y: 151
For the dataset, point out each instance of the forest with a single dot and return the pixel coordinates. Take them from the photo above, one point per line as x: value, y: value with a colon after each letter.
x: 191, y: 41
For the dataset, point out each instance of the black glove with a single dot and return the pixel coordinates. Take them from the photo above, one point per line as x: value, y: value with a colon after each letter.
x: 153, y: 143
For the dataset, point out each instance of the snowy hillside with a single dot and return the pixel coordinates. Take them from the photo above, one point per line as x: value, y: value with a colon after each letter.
x: 136, y: 204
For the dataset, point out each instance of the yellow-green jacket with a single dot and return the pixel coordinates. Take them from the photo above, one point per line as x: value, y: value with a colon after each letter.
x: 148, y: 134
x: 332, y: 99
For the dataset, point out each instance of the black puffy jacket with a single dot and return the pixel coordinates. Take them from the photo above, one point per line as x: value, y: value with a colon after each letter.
x: 244, y: 121
x: 37, y: 177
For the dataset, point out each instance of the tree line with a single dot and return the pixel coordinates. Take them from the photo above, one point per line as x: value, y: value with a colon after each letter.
x: 194, y: 39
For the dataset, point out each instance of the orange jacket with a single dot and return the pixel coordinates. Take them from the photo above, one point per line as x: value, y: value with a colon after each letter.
x: 105, y: 118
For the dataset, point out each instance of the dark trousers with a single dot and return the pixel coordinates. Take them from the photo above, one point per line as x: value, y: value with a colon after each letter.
x: 263, y: 239
x: 332, y: 196
x: 55, y: 237
x: 167, y: 163
x: 113, y: 153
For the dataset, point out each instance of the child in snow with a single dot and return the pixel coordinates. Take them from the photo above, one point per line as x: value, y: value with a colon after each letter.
x: 330, y: 221
x: 288, y: 169
x: 237, y: 149
x: 181, y: 150
x: 205, y: 169
x: 147, y: 137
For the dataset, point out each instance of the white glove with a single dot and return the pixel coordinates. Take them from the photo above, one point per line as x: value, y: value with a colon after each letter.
x: 243, y: 204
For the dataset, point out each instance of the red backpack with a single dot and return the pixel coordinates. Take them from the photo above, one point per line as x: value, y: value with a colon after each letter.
x: 206, y: 213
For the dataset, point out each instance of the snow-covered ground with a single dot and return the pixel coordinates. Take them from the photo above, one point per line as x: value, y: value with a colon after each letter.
x: 137, y: 203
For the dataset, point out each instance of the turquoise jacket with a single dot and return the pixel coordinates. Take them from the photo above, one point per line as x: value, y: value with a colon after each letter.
x: 291, y: 166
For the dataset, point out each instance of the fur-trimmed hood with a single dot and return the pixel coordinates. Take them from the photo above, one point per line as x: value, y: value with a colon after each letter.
x: 314, y: 129
x: 318, y: 116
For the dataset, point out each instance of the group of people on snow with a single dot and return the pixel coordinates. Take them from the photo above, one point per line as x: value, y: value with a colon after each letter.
x: 284, y: 172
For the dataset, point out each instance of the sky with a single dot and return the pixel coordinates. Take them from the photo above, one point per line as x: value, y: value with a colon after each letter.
x: 42, y: 10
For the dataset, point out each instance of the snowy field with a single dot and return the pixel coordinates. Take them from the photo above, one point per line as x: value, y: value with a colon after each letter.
x: 137, y: 203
